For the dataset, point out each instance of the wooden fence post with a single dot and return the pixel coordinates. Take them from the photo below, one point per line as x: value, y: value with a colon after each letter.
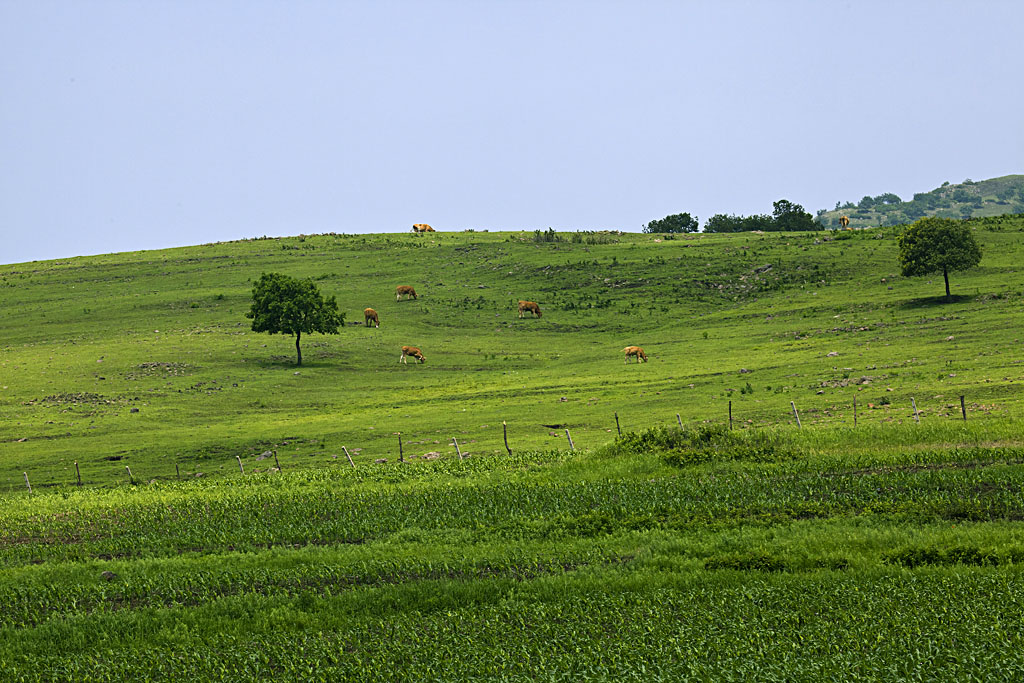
x: 963, y: 408
x: 457, y: 450
x: 504, y: 431
x: 914, y: 403
x: 401, y: 458
x: 177, y: 471
x: 572, y: 446
x: 78, y: 473
x: 130, y: 477
x: 348, y: 456
x: 240, y: 468
x: 26, y: 482
x: 617, y: 428
x: 679, y: 420
x: 730, y: 415
x: 796, y: 415
x: 854, y: 411
x: 276, y: 462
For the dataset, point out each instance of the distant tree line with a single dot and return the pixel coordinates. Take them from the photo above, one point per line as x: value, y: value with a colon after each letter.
x: 786, y: 217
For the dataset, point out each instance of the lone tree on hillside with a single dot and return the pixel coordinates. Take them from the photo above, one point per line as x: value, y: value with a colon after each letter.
x: 280, y: 303
x: 935, y: 244
x: 679, y: 222
x: 792, y: 217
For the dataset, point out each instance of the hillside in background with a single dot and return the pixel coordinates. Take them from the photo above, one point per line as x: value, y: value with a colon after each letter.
x: 968, y: 199
x: 146, y: 360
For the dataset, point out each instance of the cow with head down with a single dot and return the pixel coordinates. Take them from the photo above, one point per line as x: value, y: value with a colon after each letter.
x: 413, y: 351
x: 422, y: 227
x: 404, y: 290
x: 636, y: 352
x: 529, y: 306
x: 370, y: 316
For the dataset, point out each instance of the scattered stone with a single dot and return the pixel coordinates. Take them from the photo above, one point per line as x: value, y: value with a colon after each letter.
x: 831, y: 353
x: 949, y: 338
x: 381, y: 461
x: 108, y: 575
x: 264, y: 455
x: 134, y: 410
x: 563, y: 399
x: 744, y: 371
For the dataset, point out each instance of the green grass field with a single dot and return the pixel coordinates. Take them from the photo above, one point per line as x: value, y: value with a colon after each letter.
x: 889, y: 550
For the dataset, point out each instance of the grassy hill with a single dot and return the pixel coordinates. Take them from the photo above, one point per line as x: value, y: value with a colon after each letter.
x: 969, y: 199
x: 885, y: 550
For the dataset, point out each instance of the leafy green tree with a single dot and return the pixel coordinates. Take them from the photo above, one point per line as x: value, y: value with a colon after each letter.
x: 679, y: 222
x: 936, y: 244
x: 791, y: 217
x: 281, y: 303
x: 722, y: 222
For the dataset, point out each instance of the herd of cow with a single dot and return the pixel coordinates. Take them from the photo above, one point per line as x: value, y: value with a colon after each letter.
x: 370, y: 317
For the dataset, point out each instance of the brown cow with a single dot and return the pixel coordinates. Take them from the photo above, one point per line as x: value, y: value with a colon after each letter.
x: 406, y: 290
x: 531, y: 306
x: 636, y: 351
x: 422, y: 227
x: 371, y: 317
x: 413, y: 351
x: 844, y: 222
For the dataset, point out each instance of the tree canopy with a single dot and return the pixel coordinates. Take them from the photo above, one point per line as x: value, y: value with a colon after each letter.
x: 933, y: 245
x: 281, y: 303
x: 679, y: 222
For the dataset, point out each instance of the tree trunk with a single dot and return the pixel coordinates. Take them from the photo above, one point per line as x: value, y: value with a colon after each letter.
x: 945, y: 274
x: 298, y: 335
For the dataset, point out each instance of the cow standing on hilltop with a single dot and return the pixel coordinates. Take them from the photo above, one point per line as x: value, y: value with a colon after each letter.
x: 844, y: 222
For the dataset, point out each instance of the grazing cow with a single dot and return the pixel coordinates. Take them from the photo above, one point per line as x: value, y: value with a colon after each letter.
x: 371, y: 317
x: 531, y: 306
x: 636, y: 351
x: 413, y: 351
x: 422, y: 227
x: 406, y: 290
x: 844, y: 222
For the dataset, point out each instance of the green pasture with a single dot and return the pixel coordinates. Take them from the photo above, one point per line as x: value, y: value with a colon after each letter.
x: 886, y: 550
x: 756, y: 320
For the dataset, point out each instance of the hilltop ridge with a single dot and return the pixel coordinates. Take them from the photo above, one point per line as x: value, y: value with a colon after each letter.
x: 969, y: 199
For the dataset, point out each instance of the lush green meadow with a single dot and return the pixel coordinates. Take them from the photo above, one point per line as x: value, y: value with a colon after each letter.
x: 889, y: 550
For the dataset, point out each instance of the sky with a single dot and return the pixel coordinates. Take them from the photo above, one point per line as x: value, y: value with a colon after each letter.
x: 143, y: 124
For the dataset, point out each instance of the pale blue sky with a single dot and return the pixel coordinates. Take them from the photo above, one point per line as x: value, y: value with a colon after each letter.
x: 146, y: 124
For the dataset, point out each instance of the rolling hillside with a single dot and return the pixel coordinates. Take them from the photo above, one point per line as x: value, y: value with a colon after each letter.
x: 146, y: 359
x: 969, y: 199
x: 862, y: 544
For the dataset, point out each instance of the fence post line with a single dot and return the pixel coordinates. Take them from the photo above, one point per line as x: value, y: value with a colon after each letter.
x: 26, y: 482
x: 348, y: 456
x: 617, y: 428
x: 504, y: 432
x: 276, y: 462
x: 796, y: 415
x: 963, y: 408
x: 176, y: 471
x: 679, y: 420
x: 572, y: 446
x: 401, y: 457
x: 131, y: 478
x: 730, y: 415
x: 914, y: 404
x: 239, y: 459
x: 78, y: 473
x: 457, y: 449
x: 854, y: 411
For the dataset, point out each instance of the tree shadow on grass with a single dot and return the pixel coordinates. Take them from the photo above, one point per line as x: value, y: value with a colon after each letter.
x: 940, y: 300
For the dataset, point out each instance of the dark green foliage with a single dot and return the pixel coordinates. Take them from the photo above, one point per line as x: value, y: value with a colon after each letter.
x: 281, y: 303
x: 919, y: 557
x: 706, y: 443
x: 937, y: 245
x: 676, y: 223
x: 790, y: 217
